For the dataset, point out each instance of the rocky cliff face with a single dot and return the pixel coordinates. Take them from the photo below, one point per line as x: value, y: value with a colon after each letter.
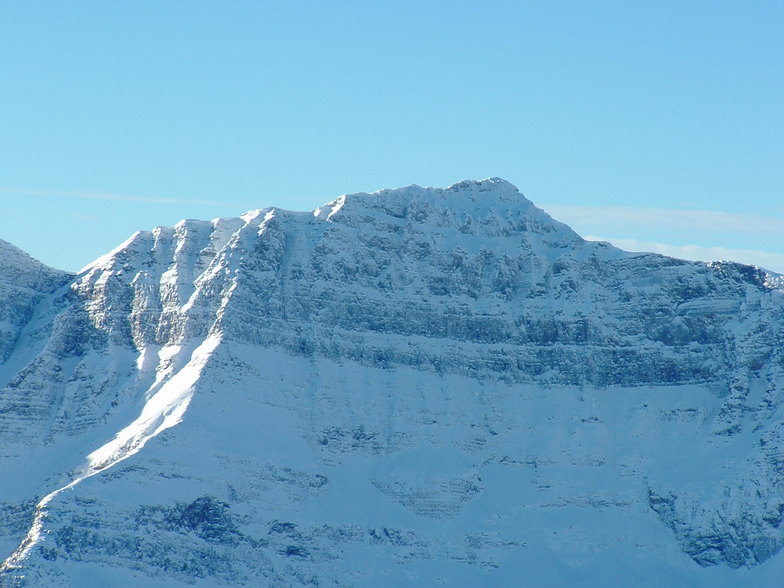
x: 25, y: 282
x: 411, y: 386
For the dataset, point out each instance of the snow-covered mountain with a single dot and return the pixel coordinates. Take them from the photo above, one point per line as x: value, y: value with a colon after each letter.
x: 411, y: 387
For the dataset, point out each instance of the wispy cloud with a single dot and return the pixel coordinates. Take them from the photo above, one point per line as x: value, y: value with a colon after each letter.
x: 114, y: 197
x: 709, y: 221
x: 766, y: 259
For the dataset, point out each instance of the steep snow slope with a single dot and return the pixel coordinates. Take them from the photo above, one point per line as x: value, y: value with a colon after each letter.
x: 416, y: 386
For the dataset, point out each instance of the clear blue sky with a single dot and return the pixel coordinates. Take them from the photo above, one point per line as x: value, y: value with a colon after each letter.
x: 613, y: 116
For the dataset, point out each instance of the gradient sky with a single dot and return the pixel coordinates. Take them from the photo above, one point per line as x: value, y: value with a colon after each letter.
x: 656, y: 125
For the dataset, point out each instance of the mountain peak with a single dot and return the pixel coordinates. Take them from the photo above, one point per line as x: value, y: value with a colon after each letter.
x: 14, y: 259
x: 482, y: 213
x: 487, y: 191
x: 493, y: 184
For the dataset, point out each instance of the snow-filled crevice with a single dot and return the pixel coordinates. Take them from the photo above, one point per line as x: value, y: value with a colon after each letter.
x: 166, y: 403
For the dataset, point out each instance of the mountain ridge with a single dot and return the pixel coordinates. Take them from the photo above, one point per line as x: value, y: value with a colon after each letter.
x: 397, y: 342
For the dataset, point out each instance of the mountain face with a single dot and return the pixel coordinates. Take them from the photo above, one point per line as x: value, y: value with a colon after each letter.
x: 412, y: 387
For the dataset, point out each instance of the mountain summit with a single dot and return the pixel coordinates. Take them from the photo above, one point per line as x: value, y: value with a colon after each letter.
x: 412, y: 387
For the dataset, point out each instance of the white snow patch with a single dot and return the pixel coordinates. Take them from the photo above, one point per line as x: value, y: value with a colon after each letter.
x: 163, y: 409
x: 104, y: 259
x: 325, y: 212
